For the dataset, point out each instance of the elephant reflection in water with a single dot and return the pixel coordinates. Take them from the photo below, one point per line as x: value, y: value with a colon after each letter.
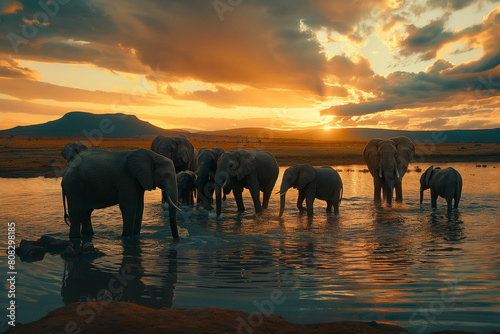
x: 85, y: 282
x: 448, y: 227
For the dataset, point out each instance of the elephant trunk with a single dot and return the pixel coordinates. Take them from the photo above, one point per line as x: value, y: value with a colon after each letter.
x: 421, y: 195
x: 389, y: 190
x: 284, y: 188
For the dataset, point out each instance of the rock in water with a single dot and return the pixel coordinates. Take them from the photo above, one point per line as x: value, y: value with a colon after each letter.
x: 30, y: 251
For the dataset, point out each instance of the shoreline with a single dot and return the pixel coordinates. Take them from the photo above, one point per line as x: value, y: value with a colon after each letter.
x: 116, y: 316
x: 21, y: 158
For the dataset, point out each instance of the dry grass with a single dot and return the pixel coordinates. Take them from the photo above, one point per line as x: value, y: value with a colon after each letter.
x: 24, y: 158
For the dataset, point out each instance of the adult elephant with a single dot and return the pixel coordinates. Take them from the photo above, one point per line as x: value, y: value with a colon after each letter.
x: 98, y: 179
x: 72, y: 149
x: 179, y: 149
x: 388, y: 161
x: 255, y: 170
x: 312, y: 182
x: 207, y: 166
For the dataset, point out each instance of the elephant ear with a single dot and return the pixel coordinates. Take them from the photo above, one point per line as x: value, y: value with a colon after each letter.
x: 247, y: 164
x: 406, y: 152
x: 307, y: 173
x: 140, y: 164
x: 371, y: 157
x: 427, y: 174
x: 66, y: 151
x: 184, y: 154
x: 156, y: 142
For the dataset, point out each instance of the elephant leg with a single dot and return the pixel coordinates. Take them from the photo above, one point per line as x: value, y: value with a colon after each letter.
x: 329, y: 206
x: 75, y: 217
x: 254, y: 191
x: 449, y: 198
x: 310, y: 193
x: 237, y: 196
x: 377, y: 185
x: 128, y: 207
x: 336, y: 207
x: 138, y: 215
x: 300, y: 201
x: 309, y: 205
x: 399, y: 191
x: 434, y: 197
x: 384, y: 194
x: 86, y: 223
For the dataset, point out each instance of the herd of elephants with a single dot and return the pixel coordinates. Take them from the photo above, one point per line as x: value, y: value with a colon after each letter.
x: 98, y: 178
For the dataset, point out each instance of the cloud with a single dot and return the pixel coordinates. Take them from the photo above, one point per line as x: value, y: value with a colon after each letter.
x: 10, y: 68
x: 8, y: 7
x: 30, y: 90
x: 427, y: 40
x: 434, y: 124
x: 223, y: 97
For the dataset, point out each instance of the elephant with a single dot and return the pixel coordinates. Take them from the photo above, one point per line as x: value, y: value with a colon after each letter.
x: 178, y: 149
x: 186, y: 187
x: 207, y: 166
x: 255, y: 170
x: 72, y: 149
x: 98, y: 179
x: 312, y: 182
x: 446, y: 183
x: 388, y: 161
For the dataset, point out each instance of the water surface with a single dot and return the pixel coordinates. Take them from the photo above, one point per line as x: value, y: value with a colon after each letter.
x: 422, y: 269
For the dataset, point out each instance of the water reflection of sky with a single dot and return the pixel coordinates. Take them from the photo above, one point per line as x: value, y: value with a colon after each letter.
x: 366, y: 263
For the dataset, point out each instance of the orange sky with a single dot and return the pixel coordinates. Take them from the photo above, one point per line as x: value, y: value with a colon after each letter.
x: 208, y: 65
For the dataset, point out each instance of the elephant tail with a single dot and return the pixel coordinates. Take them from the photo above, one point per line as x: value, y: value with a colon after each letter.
x: 66, y: 216
x: 341, y: 193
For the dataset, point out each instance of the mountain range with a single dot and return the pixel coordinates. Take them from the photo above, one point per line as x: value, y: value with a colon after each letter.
x: 78, y: 124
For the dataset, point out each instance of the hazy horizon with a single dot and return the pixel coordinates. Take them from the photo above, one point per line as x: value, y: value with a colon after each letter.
x: 217, y: 65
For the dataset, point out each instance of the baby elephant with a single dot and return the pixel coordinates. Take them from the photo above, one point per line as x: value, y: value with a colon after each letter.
x: 446, y: 183
x: 312, y: 182
x: 186, y: 187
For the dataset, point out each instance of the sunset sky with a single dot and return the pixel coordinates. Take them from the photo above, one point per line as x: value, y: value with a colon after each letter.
x: 283, y: 64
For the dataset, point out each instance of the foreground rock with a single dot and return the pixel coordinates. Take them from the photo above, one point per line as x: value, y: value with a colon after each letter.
x: 32, y: 251
x: 119, y: 317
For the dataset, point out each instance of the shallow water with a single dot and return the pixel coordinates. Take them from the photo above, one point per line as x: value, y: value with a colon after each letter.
x: 420, y: 269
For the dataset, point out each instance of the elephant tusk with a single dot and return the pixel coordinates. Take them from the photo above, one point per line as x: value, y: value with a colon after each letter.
x: 397, y: 173
x: 172, y: 203
x: 380, y: 173
x: 283, y: 193
x: 224, y: 184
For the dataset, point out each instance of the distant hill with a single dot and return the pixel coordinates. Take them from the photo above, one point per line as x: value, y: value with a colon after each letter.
x: 364, y: 134
x: 78, y: 124
x: 82, y: 124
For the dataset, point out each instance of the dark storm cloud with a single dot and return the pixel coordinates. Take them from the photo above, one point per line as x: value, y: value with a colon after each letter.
x: 258, y: 43
x: 427, y: 40
x: 438, y: 84
x: 443, y: 82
